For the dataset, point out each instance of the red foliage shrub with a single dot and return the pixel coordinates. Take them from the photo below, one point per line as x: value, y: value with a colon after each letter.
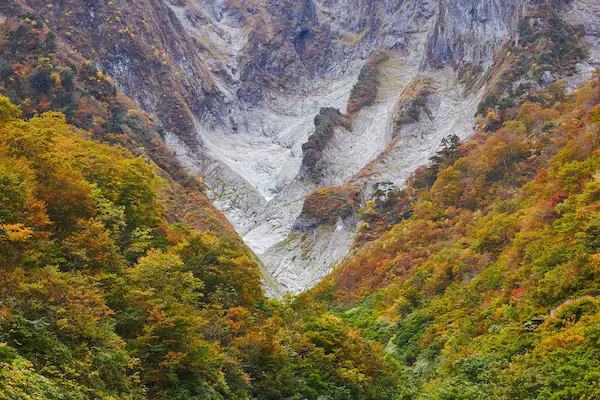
x: 330, y: 203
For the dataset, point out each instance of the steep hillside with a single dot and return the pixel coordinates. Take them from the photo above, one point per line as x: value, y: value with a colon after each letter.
x: 103, y: 298
x: 487, y: 287
x: 39, y: 74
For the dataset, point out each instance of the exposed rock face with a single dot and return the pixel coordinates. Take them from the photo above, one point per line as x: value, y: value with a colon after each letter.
x: 587, y: 14
x: 238, y: 83
x: 422, y: 39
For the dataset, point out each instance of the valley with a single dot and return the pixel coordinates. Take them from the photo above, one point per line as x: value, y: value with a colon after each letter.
x: 299, y: 199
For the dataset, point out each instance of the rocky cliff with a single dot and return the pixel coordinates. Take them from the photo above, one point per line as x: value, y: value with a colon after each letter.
x: 237, y: 85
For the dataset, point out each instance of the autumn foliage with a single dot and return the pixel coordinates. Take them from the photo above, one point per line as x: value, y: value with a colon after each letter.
x: 332, y: 202
x: 491, y: 283
x: 364, y: 92
x: 107, y: 295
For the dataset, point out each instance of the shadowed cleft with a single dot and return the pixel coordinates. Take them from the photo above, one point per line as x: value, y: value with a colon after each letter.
x: 304, y: 37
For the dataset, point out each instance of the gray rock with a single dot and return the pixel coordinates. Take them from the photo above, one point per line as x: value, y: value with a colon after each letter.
x: 548, y: 77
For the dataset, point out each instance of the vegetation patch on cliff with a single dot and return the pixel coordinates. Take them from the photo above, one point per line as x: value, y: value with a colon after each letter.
x: 364, y: 92
x: 546, y: 46
x: 330, y: 203
x: 325, y: 124
x: 413, y: 102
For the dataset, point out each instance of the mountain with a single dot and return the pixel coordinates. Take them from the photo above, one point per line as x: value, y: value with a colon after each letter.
x: 237, y: 87
x: 424, y: 170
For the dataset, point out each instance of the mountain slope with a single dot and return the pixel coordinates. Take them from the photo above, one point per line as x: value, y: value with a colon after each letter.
x: 237, y: 85
x: 413, y: 111
x: 488, y: 287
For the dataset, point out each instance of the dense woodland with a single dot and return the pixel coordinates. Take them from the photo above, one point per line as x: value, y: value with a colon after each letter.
x: 119, y: 279
x: 479, y: 280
